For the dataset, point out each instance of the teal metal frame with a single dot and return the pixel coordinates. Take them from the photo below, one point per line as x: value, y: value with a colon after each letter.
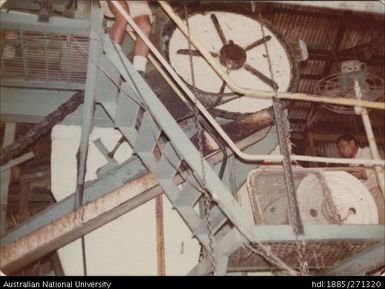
x: 59, y: 25
x: 121, y: 108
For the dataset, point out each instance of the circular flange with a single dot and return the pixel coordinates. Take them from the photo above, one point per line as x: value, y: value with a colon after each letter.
x: 353, y: 202
x: 237, y: 44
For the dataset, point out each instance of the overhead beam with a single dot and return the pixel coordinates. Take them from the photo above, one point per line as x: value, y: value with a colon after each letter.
x: 311, y: 76
x: 55, y: 85
x: 335, y: 46
x: 326, y: 55
x: 328, y: 136
x: 372, y: 44
x: 57, y: 25
x: 375, y: 7
x: 32, y: 105
x: 270, y: 8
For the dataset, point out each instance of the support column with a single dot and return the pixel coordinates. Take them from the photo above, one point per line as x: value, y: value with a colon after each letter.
x: 5, y: 176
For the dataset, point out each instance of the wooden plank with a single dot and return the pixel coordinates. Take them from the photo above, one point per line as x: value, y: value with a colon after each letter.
x: 311, y: 147
x: 22, y: 213
x: 70, y: 227
x: 161, y: 262
x: 56, y: 264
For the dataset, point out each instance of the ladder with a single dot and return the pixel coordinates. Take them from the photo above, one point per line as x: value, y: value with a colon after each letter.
x: 166, y: 151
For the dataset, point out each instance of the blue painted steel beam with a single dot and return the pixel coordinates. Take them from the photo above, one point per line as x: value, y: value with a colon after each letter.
x: 236, y: 170
x: 29, y: 22
x: 32, y: 105
x: 94, y: 52
x: 183, y: 144
x: 111, y: 180
x: 5, y: 176
x: 276, y: 233
x: 58, y: 85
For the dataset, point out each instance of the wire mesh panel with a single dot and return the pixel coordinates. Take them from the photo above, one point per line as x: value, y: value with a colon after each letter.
x: 319, y: 255
x: 45, y: 57
x: 324, y: 197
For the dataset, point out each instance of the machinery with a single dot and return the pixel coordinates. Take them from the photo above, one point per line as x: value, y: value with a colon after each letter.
x: 191, y: 160
x: 236, y: 43
x: 342, y: 85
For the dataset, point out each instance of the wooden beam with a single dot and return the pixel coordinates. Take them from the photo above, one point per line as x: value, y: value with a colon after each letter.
x: 335, y: 46
x: 56, y: 264
x: 272, y: 8
x: 326, y: 55
x: 327, y: 136
x: 311, y: 76
x: 77, y: 223
x: 313, y: 152
x: 161, y: 261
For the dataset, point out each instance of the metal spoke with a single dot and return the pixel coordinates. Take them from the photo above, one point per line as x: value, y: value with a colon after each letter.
x: 194, y: 52
x: 222, y: 89
x: 261, y: 76
x: 218, y: 28
x: 258, y: 42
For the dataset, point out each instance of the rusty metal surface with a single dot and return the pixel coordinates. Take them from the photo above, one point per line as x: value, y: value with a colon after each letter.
x: 69, y: 227
x: 15, y: 149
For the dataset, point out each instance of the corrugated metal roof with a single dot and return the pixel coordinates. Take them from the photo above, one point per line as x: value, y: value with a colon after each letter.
x: 321, y: 29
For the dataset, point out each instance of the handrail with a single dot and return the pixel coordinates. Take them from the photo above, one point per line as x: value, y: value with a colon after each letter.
x: 212, y: 121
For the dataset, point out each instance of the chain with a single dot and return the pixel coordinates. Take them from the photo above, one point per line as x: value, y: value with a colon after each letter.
x: 284, y: 148
x: 206, y: 196
x: 301, y: 253
x: 329, y: 210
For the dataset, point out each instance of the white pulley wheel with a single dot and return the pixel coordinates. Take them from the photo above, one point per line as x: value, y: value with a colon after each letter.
x: 237, y: 44
x: 353, y: 202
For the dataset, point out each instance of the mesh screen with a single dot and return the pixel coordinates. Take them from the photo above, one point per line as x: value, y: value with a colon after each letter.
x: 37, y: 56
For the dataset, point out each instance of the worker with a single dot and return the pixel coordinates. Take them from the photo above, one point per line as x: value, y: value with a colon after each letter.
x: 348, y: 148
x: 142, y: 15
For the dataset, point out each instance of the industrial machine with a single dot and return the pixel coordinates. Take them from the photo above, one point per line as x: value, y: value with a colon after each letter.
x: 198, y: 161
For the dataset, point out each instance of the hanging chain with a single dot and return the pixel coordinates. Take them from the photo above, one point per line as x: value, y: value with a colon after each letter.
x: 206, y: 196
x: 284, y: 148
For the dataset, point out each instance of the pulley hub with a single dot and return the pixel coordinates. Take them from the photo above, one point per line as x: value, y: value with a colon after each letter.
x: 232, y: 56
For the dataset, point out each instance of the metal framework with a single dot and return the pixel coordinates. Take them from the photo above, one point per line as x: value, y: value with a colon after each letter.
x: 165, y: 158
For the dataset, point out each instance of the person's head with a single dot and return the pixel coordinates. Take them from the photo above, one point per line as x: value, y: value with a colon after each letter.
x: 347, y: 146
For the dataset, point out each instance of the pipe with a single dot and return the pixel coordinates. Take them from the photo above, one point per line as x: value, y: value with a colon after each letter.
x: 211, y: 120
x: 370, y: 135
x: 161, y: 259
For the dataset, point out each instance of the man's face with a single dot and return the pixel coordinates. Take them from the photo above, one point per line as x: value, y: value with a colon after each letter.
x: 347, y: 149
